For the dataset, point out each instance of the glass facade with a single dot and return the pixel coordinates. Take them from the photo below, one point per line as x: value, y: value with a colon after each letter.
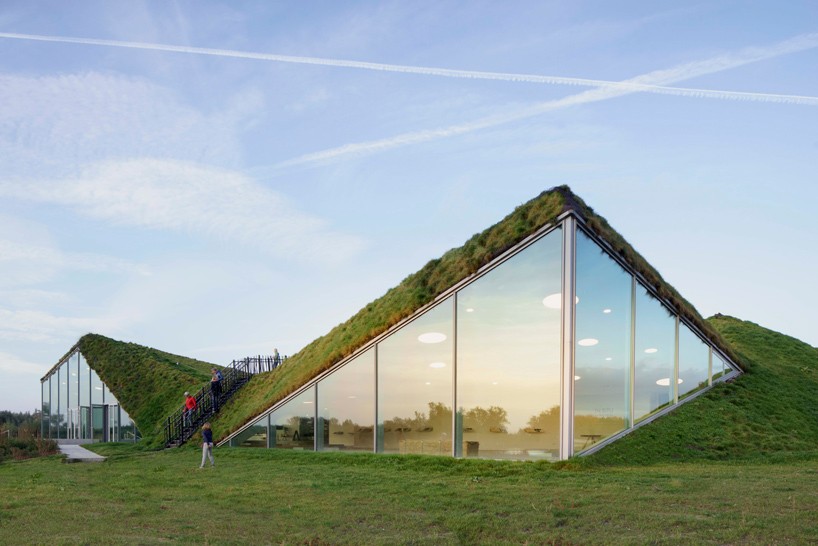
x: 602, y: 361
x: 508, y: 357
x: 654, y: 357
x: 77, y: 405
x: 415, y: 385
x: 346, y: 407
x: 497, y: 349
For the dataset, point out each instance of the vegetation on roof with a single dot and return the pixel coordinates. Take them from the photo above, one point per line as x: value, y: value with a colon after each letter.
x: 421, y: 288
x: 771, y: 411
x: 149, y: 384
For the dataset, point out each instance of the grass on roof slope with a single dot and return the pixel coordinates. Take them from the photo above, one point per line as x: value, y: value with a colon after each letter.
x: 148, y: 383
x: 422, y: 287
x: 770, y: 410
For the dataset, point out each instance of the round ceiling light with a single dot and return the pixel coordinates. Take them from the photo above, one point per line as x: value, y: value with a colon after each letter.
x: 588, y: 342
x: 432, y: 337
x: 651, y: 350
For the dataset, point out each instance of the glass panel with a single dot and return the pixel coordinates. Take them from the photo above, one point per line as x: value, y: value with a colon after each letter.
x: 55, y: 405
x: 98, y: 416
x: 73, y: 396
x: 63, y: 419
x: 113, y: 423
x: 294, y: 422
x: 96, y: 388
x: 719, y: 367
x: 655, y: 348
x: 602, y: 366
x: 128, y: 432
x: 508, y: 350
x: 85, y: 422
x: 415, y: 385
x: 45, y: 418
x: 693, y: 361
x: 85, y: 398
x: 253, y: 436
x: 346, y: 402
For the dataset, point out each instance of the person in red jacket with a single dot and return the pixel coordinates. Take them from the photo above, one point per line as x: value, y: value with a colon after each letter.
x: 190, y: 407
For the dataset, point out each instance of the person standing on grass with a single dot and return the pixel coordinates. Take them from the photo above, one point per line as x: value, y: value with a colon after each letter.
x: 207, y: 445
x: 190, y: 407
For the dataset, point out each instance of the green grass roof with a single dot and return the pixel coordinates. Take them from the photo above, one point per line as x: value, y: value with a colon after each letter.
x: 421, y: 288
x: 148, y: 383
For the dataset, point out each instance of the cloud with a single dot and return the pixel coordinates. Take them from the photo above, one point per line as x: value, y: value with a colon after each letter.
x: 41, y: 327
x: 191, y: 198
x: 798, y: 43
x: 652, y: 81
x: 10, y: 364
x: 54, y: 124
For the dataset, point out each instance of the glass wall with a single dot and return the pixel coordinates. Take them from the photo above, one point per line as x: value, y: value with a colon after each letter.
x: 655, y: 355
x: 694, y: 365
x: 493, y: 350
x: 415, y: 385
x: 602, y: 368
x: 294, y: 423
x: 508, y: 357
x: 253, y: 436
x: 346, y: 404
x: 68, y: 411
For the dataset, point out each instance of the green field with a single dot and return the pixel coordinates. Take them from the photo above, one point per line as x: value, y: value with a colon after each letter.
x: 285, y: 497
x: 737, y: 465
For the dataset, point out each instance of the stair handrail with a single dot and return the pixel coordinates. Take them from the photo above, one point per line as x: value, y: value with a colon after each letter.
x: 179, y: 429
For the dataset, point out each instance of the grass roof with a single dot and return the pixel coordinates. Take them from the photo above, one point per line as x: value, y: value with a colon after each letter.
x: 148, y: 383
x: 435, y: 278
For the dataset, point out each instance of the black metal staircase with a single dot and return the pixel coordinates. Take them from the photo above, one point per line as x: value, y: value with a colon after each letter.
x: 181, y: 426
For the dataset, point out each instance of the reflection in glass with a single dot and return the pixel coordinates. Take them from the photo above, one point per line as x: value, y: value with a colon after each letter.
x: 253, y: 436
x: 693, y: 361
x: 46, y: 415
x: 97, y: 412
x: 415, y: 385
x: 294, y: 423
x: 602, y: 355
x: 55, y: 405
x: 73, y: 397
x: 63, y: 412
x: 719, y: 367
x: 508, y: 350
x: 346, y: 406
x: 654, y: 358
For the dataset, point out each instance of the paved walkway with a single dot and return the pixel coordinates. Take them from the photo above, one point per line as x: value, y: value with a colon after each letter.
x: 78, y: 454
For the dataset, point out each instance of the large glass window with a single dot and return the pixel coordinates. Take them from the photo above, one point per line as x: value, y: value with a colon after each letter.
x: 602, y: 367
x: 73, y: 396
x: 346, y: 406
x: 415, y: 385
x: 45, y: 418
x: 63, y: 414
x: 655, y: 355
x: 693, y: 362
x: 719, y: 367
x: 508, y: 357
x: 294, y: 423
x: 253, y: 436
x: 97, y: 413
x: 55, y: 405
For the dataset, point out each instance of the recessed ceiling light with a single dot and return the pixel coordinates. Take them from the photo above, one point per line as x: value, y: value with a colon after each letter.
x: 308, y: 401
x: 428, y: 382
x: 470, y: 310
x: 588, y: 342
x: 651, y: 350
x: 577, y: 378
x: 606, y: 311
x: 554, y: 301
x: 608, y: 358
x: 665, y: 382
x: 432, y: 337
x: 494, y: 382
x: 437, y: 365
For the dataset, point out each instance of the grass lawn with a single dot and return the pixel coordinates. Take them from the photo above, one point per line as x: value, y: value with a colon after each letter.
x: 257, y: 496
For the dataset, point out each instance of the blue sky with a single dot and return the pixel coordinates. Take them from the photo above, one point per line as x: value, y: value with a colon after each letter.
x: 219, y: 179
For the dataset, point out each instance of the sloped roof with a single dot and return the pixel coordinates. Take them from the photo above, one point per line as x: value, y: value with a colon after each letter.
x: 148, y: 383
x: 435, y: 278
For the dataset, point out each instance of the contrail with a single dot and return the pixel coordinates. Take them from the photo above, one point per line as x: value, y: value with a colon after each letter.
x: 798, y: 43
x: 653, y: 79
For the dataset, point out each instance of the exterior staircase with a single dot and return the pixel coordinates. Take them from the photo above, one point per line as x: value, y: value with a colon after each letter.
x: 179, y: 427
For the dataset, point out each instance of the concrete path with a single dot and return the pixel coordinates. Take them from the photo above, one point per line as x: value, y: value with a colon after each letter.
x: 78, y: 454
